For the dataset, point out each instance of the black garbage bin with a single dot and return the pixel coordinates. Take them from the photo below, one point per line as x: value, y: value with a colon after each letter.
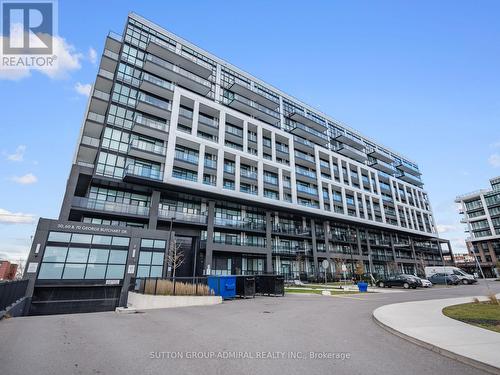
x: 271, y: 285
x: 245, y: 286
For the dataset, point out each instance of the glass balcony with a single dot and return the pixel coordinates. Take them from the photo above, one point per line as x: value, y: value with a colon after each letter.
x: 252, y: 108
x: 183, y: 156
x: 148, y: 147
x: 379, y: 155
x: 288, y: 229
x: 101, y: 205
x: 309, y: 133
x: 254, y: 93
x: 179, y: 57
x: 289, y: 250
x: 410, y: 179
x: 200, y: 218
x: 407, y: 168
x: 307, y: 189
x: 349, y: 140
x: 176, y: 74
x: 234, y: 131
x: 157, y: 86
x: 351, y: 152
x: 305, y: 172
x: 240, y: 223
x: 141, y: 171
x: 89, y: 141
x: 145, y: 98
x: 228, y: 168
x: 209, y: 121
x: 309, y: 120
x: 281, y: 148
x: 248, y: 174
x: 209, y: 163
x: 382, y: 166
x: 151, y: 123
x: 273, y: 180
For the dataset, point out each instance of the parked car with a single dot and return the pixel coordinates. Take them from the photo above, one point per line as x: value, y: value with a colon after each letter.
x: 417, y: 279
x: 444, y: 279
x: 464, y: 277
x: 426, y: 283
x: 404, y: 281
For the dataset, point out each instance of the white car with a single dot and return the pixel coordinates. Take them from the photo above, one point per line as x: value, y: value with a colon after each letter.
x: 426, y: 283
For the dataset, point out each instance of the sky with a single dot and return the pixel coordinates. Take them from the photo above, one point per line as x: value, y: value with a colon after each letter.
x: 421, y: 78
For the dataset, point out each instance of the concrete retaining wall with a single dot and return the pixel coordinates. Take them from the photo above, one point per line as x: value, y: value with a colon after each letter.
x: 147, y: 301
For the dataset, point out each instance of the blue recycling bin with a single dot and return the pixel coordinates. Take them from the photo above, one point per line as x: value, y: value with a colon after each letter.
x: 363, y: 287
x: 224, y: 286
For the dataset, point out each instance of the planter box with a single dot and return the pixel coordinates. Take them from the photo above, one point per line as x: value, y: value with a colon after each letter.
x: 149, y: 301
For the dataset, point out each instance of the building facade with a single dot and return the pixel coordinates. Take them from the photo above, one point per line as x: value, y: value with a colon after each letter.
x: 481, y: 215
x: 8, y: 270
x: 179, y: 146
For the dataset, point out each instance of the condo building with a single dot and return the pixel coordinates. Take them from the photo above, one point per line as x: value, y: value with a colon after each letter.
x: 481, y: 215
x: 179, y: 148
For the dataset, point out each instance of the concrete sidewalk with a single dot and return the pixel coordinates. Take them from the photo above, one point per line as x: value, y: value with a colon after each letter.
x: 423, y: 323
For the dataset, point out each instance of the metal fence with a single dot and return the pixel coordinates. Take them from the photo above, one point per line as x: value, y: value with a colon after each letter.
x: 171, y: 286
x: 11, y: 291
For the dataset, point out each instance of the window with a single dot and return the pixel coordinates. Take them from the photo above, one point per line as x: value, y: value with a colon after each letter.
x: 83, y: 256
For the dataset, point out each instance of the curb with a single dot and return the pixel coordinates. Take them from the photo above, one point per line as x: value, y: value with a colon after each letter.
x: 436, y: 349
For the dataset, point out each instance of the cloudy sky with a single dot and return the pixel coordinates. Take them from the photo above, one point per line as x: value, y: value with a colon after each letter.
x: 419, y: 77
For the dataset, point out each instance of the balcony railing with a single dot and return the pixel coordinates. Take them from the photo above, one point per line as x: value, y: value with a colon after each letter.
x: 248, y: 174
x: 148, y: 147
x: 213, y: 122
x: 154, y: 101
x: 143, y: 172
x: 209, y: 163
x: 271, y: 180
x: 151, y: 123
x: 176, y: 69
x: 101, y: 205
x: 307, y: 189
x: 158, y: 81
x: 305, y: 172
x: 291, y: 230
x: 200, y: 218
x: 183, y: 156
x: 242, y: 224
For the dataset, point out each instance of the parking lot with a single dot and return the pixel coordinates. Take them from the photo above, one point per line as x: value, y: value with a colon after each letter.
x: 295, y: 334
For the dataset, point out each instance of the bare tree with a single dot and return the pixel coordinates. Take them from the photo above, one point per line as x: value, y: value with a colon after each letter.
x: 300, y: 262
x: 360, y: 269
x: 20, y: 269
x: 392, y: 267
x: 175, y: 257
x: 420, y: 265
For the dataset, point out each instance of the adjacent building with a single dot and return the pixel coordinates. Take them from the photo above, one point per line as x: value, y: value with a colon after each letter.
x: 8, y: 270
x: 481, y: 215
x: 179, y: 146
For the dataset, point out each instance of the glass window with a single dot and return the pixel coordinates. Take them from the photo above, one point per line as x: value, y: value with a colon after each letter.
x: 156, y: 271
x: 142, y: 271
x: 159, y: 244
x: 98, y: 256
x: 59, y: 236
x: 147, y: 243
x: 50, y: 271
x: 101, y: 240
x: 115, y: 271
x: 55, y: 254
x: 145, y: 257
x: 157, y: 259
x: 81, y: 238
x: 120, y: 241
x: 77, y: 255
x: 95, y: 271
x: 118, y: 256
x: 74, y: 271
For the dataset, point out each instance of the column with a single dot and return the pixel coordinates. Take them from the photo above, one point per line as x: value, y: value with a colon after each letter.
x: 210, y: 238
x: 269, y: 243
x: 153, y: 210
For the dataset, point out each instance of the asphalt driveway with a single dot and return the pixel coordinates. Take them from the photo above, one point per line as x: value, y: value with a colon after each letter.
x: 296, y: 334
